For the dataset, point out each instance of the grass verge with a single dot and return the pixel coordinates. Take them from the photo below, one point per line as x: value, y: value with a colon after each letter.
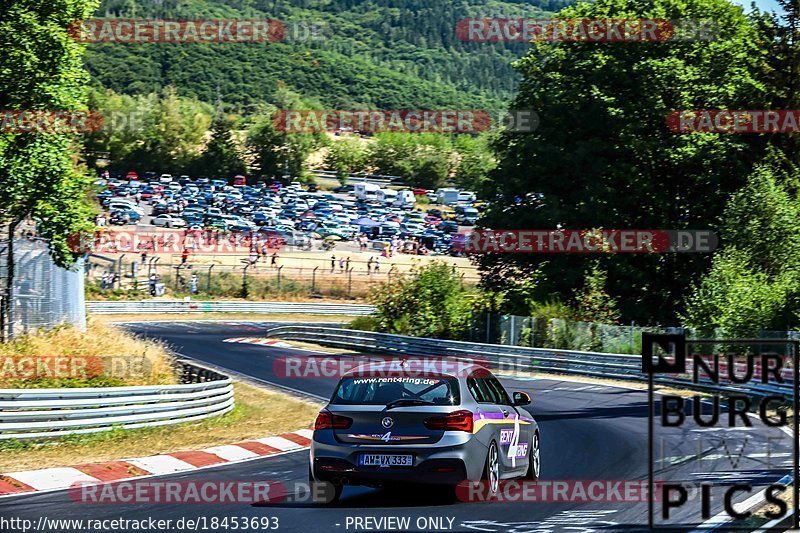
x: 258, y: 413
x: 101, y: 356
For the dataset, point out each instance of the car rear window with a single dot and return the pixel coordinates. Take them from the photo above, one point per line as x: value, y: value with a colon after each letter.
x: 356, y: 390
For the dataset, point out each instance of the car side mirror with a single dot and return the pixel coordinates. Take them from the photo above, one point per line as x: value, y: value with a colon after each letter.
x: 521, y: 398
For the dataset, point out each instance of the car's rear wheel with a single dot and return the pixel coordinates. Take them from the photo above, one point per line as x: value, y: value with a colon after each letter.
x: 534, y: 461
x: 491, y: 474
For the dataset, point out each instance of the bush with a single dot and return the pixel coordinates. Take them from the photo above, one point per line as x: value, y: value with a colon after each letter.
x: 365, y: 323
x: 429, y: 303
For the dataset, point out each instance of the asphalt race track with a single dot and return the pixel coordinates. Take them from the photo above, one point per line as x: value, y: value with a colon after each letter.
x: 589, y: 432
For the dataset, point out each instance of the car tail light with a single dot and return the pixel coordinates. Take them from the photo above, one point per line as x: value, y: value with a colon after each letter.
x: 456, y: 421
x: 328, y: 420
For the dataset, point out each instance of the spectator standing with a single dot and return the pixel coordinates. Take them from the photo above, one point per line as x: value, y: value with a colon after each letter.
x: 347, y: 264
x: 333, y: 263
x: 369, y: 266
x: 377, y: 264
x: 274, y: 261
x: 341, y: 265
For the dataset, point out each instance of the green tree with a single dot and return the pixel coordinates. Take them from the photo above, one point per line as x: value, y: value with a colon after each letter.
x: 222, y: 156
x: 430, y: 169
x: 429, y: 303
x: 754, y: 282
x: 346, y: 156
x: 592, y: 302
x: 783, y: 77
x: 392, y: 154
x: 42, y: 69
x: 603, y: 157
x: 280, y: 153
x: 475, y: 162
x: 148, y: 132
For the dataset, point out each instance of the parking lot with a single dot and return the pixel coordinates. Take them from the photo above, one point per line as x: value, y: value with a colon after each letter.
x: 268, y: 229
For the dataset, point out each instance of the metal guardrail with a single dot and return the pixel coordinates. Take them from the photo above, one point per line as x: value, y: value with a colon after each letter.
x: 45, y: 413
x: 507, y: 358
x: 221, y: 306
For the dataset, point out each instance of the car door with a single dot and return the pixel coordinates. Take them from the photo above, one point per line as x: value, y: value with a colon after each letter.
x: 515, y: 438
x: 492, y: 422
x: 505, y: 426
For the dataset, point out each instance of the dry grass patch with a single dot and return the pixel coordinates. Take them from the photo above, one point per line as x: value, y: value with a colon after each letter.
x: 101, y: 356
x: 258, y: 413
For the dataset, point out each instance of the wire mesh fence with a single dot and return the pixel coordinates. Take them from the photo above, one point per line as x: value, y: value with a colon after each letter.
x: 42, y: 294
x: 558, y: 333
x: 340, y: 278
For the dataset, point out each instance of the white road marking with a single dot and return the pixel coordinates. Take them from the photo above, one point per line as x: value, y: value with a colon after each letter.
x: 279, y: 443
x: 160, y: 464
x: 52, y: 478
x: 230, y: 452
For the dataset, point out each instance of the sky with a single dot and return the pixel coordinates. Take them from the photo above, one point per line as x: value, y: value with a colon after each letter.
x: 764, y: 5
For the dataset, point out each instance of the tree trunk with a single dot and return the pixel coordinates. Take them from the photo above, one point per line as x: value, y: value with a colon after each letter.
x: 7, y: 329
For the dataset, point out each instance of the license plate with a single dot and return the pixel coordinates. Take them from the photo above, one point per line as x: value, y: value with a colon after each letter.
x: 385, y: 460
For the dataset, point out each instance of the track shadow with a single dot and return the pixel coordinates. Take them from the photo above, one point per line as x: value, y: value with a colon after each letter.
x: 365, y: 497
x: 635, y: 410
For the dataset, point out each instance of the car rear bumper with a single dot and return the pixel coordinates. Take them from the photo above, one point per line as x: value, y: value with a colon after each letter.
x: 457, y: 457
x: 431, y: 471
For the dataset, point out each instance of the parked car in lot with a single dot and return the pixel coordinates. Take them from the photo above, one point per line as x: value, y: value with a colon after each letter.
x: 123, y: 217
x: 466, y: 215
x: 448, y: 226
x: 432, y: 426
x: 327, y: 230
x: 466, y: 197
x: 447, y: 196
x: 168, y: 221
x: 123, y: 204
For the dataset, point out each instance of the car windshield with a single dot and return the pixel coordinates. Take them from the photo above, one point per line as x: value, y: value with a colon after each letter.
x: 355, y: 390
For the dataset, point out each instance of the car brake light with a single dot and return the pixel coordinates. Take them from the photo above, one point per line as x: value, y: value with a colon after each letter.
x: 328, y: 420
x: 455, y: 421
